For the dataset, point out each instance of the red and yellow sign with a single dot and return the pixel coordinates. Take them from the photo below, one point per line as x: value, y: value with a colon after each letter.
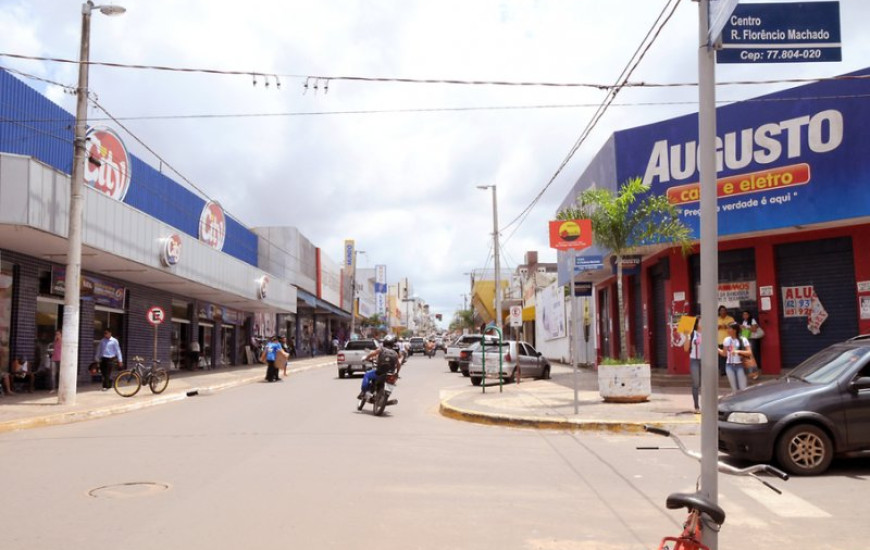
x: 765, y: 180
x: 571, y: 234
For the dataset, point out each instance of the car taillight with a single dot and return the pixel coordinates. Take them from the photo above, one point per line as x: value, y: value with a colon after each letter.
x: 341, y: 357
x: 507, y: 357
x: 464, y: 354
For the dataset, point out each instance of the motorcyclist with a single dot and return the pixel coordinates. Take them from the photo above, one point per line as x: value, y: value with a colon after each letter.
x: 386, y: 359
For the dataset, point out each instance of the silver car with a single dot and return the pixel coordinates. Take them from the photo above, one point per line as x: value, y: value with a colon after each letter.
x: 519, y: 360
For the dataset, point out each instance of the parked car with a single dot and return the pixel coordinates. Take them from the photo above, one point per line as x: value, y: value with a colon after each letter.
x: 453, y: 350
x: 350, y: 359
x: 519, y: 360
x: 803, y: 419
x: 417, y: 345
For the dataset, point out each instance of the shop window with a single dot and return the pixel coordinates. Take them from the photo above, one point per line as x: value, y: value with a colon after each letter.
x: 180, y: 309
x: 113, y: 320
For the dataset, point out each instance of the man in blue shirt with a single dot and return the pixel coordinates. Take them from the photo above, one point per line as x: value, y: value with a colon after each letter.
x: 273, y: 348
x: 109, y: 355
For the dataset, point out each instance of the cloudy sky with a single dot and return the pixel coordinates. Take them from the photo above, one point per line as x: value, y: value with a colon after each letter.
x: 392, y: 165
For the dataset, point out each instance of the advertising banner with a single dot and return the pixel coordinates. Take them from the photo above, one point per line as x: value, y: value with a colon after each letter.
x: 796, y: 157
x: 381, y: 289
x: 797, y: 301
x: 348, y: 253
x: 552, y: 309
x: 102, y: 292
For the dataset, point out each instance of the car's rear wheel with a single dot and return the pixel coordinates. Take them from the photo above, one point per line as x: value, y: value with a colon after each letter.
x: 475, y: 380
x: 341, y: 373
x: 545, y: 374
x: 453, y: 367
x: 805, y: 450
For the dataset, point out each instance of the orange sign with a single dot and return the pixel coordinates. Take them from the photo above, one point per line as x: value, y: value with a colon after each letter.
x: 571, y: 234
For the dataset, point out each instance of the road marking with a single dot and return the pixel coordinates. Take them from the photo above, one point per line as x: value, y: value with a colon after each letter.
x: 786, y: 505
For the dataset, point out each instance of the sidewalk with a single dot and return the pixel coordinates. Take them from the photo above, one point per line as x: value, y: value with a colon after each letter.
x: 30, y: 410
x: 549, y: 404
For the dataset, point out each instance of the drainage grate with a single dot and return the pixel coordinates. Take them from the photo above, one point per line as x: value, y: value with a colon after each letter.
x: 133, y: 489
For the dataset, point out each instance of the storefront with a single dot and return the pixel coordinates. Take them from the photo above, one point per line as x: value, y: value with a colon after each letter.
x: 794, y: 221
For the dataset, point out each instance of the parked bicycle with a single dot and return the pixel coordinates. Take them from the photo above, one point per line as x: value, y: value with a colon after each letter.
x: 129, y: 382
x: 702, y: 512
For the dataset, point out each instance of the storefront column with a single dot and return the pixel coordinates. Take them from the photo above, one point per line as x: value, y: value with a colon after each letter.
x: 862, y: 272
x: 768, y: 317
x: 678, y: 286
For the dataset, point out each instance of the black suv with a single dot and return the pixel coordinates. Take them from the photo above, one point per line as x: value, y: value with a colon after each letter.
x: 418, y: 345
x: 819, y: 409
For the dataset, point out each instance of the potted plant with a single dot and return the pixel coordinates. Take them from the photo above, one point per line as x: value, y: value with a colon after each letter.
x: 622, y: 222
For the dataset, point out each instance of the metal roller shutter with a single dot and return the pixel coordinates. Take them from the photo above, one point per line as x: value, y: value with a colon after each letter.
x: 828, y: 266
x: 636, y: 317
x: 661, y: 332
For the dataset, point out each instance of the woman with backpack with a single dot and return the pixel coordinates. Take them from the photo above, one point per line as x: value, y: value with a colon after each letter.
x: 735, y: 349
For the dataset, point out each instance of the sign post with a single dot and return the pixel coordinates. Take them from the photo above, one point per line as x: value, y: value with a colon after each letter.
x: 155, y: 316
x: 574, y: 236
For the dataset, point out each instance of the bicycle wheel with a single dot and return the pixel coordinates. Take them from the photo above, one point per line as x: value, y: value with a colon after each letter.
x: 159, y: 380
x: 127, y: 383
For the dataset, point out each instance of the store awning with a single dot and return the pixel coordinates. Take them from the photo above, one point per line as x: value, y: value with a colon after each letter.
x: 528, y: 313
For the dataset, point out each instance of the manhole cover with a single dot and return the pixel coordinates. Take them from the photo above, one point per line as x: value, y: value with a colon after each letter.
x: 133, y: 489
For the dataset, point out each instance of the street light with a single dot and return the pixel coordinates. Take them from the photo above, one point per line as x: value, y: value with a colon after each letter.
x: 353, y: 307
x: 66, y: 393
x: 495, y: 254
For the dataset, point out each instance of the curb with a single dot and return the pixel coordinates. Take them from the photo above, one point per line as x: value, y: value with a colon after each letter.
x: 614, y: 426
x: 70, y: 417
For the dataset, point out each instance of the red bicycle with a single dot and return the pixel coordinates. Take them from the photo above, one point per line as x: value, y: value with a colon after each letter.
x: 703, y: 514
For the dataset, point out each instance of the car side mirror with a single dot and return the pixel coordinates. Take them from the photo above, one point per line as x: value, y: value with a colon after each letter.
x: 540, y: 354
x: 860, y: 383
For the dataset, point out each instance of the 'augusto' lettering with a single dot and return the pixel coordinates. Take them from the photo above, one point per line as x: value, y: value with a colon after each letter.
x: 737, y: 150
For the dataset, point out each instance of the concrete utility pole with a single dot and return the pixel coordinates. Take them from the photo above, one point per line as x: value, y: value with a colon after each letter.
x: 495, y: 254
x: 709, y: 263
x: 69, y: 358
x: 353, y: 307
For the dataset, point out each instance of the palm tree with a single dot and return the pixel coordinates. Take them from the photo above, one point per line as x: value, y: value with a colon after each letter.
x: 624, y: 221
x: 463, y: 318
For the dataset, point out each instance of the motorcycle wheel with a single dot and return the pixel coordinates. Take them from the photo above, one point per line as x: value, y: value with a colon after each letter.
x: 380, y: 402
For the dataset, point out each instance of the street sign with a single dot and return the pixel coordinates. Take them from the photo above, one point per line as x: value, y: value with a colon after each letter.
x: 795, y: 32
x: 516, y: 316
x: 588, y: 263
x: 582, y: 288
x: 155, y: 315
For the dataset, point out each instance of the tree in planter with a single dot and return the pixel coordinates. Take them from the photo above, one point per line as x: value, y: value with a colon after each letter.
x: 624, y: 221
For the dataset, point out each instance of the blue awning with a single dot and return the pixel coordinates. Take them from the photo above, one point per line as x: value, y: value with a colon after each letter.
x: 325, y: 307
x: 306, y: 297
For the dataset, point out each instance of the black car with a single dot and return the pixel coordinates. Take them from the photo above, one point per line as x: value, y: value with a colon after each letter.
x: 418, y: 345
x: 803, y: 419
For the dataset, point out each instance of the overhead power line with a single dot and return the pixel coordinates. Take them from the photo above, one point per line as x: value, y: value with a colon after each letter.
x: 315, y: 81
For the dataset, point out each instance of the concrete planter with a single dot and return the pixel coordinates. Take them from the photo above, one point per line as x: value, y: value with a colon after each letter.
x: 624, y: 383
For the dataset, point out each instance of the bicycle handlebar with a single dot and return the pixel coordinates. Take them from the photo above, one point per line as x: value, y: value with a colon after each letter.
x: 749, y: 471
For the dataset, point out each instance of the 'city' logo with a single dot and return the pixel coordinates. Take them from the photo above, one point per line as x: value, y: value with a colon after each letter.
x: 213, y: 225
x: 107, y: 167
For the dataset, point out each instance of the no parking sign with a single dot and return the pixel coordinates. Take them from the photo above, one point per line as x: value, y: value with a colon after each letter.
x: 155, y: 315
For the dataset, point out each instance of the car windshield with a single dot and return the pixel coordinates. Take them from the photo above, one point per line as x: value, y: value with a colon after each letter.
x: 826, y: 365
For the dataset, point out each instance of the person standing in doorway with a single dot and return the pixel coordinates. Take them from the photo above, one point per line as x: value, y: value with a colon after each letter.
x: 693, y: 346
x: 195, y: 351
x: 56, y: 349
x: 109, y: 357
x: 750, y: 330
x: 723, y: 320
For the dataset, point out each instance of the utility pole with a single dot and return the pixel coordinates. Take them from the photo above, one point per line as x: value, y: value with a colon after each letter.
x: 353, y: 307
x: 495, y: 254
x: 69, y: 359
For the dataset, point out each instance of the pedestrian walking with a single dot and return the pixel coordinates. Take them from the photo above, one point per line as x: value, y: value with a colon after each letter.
x: 109, y: 356
x: 283, y: 356
x: 723, y: 320
x: 272, y: 350
x: 734, y: 349
x: 56, y: 349
x: 693, y: 346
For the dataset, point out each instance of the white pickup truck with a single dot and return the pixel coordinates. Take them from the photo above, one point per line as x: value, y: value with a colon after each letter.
x: 350, y: 359
x: 452, y: 353
x: 519, y: 360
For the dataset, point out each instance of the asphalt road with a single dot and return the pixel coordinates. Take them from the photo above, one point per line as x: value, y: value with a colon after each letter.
x: 294, y: 465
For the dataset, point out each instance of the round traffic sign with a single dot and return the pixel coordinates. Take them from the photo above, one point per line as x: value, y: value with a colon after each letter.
x: 155, y: 315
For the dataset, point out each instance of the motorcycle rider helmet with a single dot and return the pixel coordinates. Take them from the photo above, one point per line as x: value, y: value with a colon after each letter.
x: 389, y: 341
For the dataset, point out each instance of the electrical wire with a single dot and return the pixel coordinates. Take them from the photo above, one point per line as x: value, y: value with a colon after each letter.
x: 403, y: 80
x: 647, y: 42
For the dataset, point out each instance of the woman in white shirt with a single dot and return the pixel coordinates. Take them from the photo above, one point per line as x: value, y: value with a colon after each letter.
x: 734, y: 349
x: 693, y: 346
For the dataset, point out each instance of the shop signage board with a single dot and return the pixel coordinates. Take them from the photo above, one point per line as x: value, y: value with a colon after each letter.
x: 732, y: 294
x: 795, y: 32
x: 583, y: 289
x: 570, y: 234
x: 630, y: 264
x: 102, y: 292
